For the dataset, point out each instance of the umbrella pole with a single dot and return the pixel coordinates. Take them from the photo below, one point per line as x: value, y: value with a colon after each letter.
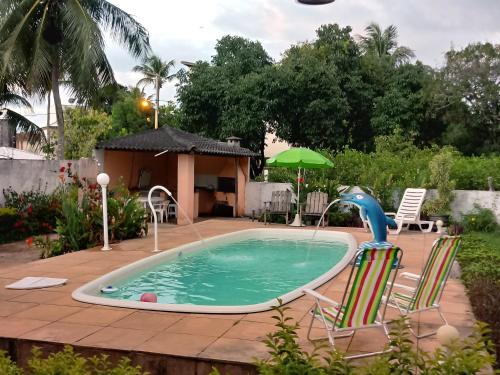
x: 297, y: 221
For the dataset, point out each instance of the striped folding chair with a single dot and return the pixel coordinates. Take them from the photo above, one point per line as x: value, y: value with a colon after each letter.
x: 427, y: 292
x: 362, y: 300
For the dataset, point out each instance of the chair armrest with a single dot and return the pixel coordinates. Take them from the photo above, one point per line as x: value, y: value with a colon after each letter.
x: 405, y: 287
x: 320, y: 297
x: 410, y: 276
x: 390, y: 214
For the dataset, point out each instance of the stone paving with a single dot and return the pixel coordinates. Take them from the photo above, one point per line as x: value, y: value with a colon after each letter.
x: 191, y: 342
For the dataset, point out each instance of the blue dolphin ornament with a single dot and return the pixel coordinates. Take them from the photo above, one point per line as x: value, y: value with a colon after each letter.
x: 370, y: 210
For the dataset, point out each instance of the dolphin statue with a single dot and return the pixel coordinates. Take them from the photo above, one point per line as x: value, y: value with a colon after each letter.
x: 370, y: 210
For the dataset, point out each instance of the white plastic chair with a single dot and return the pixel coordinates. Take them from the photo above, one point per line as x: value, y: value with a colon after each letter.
x: 409, y: 212
x: 160, y: 209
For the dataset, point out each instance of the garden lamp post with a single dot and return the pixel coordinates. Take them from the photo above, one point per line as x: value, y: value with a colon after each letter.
x: 103, y: 180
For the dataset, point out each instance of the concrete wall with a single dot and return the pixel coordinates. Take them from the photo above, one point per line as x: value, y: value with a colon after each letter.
x: 26, y: 175
x: 259, y: 192
x: 465, y: 199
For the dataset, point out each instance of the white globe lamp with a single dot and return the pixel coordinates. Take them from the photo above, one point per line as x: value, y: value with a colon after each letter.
x: 447, y: 334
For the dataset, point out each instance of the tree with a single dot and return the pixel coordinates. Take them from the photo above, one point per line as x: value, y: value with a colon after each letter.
x: 406, y: 105
x: 127, y: 115
x: 384, y: 44
x: 156, y: 72
x: 227, y: 96
x: 308, y: 105
x: 468, y: 98
x: 83, y: 129
x: 61, y: 41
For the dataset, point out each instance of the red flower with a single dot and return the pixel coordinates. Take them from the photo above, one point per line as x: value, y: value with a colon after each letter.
x: 29, y: 241
x: 93, y: 186
x: 69, y: 164
x: 62, y: 169
x: 30, y: 209
x: 18, y: 224
x: 300, y: 180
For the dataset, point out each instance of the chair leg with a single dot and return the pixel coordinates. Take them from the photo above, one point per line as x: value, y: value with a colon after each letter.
x: 427, y: 334
x: 430, y: 224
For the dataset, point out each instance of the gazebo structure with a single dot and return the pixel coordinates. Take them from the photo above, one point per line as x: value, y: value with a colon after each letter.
x: 207, y: 177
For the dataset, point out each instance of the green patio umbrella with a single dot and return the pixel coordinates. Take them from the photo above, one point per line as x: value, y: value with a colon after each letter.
x: 299, y: 157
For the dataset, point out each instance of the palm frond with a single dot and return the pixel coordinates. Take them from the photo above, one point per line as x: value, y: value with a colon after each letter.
x: 124, y: 28
x: 9, y: 98
x: 36, y: 136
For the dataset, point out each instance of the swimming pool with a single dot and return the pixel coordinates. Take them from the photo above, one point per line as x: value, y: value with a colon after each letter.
x: 243, y: 271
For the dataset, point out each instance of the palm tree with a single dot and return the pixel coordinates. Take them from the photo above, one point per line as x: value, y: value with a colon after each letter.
x: 385, y: 44
x: 156, y: 72
x: 61, y: 42
x: 12, y: 95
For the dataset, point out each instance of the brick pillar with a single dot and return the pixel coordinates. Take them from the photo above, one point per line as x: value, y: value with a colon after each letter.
x: 185, y: 187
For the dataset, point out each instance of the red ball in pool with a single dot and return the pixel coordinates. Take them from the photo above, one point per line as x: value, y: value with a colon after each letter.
x: 149, y: 297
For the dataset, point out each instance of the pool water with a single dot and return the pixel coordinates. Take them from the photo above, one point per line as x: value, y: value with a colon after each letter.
x: 242, y: 272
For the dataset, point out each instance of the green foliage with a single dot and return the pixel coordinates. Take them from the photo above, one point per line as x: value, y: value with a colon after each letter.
x: 83, y: 129
x: 67, y: 362
x: 35, y: 212
x: 468, y: 98
x: 227, y: 96
x: 7, y: 367
x: 479, y: 257
x: 440, y: 167
x: 80, y: 225
x: 286, y: 356
x: 480, y: 220
x: 127, y: 116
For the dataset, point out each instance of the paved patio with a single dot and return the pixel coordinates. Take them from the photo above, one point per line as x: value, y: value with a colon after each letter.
x: 179, y: 343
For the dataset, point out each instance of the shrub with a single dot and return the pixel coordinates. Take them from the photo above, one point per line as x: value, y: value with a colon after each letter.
x: 440, y: 167
x: 80, y: 226
x: 480, y: 220
x: 67, y: 362
x: 36, y: 213
x: 479, y: 262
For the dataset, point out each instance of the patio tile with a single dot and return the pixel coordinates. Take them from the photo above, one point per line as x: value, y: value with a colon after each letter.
x: 49, y: 313
x: 39, y: 296
x: 245, y: 330
x: 9, y: 308
x: 67, y: 300
x: 235, y: 350
x: 201, y: 326
x: 96, y: 316
x: 150, y: 321
x: 116, y: 338
x: 61, y: 332
x: 14, y: 327
x: 176, y: 344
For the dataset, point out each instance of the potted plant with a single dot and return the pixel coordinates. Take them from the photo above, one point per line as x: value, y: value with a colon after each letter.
x: 439, y: 208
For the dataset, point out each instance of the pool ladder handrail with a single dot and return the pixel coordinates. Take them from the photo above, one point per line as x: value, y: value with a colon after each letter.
x: 163, y: 188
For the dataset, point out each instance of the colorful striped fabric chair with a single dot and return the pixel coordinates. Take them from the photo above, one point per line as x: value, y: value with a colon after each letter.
x: 361, y: 302
x: 427, y: 292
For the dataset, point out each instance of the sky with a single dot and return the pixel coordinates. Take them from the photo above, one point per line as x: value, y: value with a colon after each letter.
x: 189, y: 29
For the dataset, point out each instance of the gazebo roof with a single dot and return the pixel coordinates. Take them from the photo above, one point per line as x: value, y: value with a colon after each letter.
x: 174, y: 140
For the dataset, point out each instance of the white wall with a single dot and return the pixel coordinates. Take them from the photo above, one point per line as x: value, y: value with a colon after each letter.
x: 465, y: 199
x: 26, y: 175
x: 259, y: 192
